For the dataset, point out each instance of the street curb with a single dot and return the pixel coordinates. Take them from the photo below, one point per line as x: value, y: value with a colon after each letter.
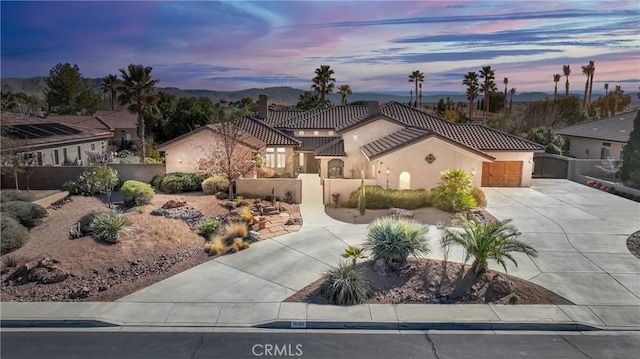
x: 56, y: 323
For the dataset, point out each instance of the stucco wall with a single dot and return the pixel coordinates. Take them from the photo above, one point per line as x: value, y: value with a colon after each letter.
x: 344, y: 187
x: 183, y: 155
x: 422, y: 174
x: 48, y: 154
x: 354, y: 139
x: 261, y: 187
x: 525, y: 157
x: 578, y: 148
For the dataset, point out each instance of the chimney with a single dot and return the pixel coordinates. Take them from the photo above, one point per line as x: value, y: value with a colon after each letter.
x: 263, y: 106
x: 373, y: 108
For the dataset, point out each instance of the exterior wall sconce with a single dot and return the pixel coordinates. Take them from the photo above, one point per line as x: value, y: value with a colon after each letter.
x: 430, y: 158
x: 473, y: 171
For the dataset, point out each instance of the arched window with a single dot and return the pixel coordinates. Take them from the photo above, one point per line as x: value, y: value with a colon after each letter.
x: 405, y: 180
x: 336, y: 168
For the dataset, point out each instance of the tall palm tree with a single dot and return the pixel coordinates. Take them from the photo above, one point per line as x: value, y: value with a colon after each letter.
x: 606, y: 89
x: 416, y: 77
x: 586, y: 70
x: 556, y: 79
x: 495, y: 240
x: 505, y: 81
x: 420, y: 97
x: 324, y: 82
x: 137, y: 93
x: 473, y: 89
x: 511, y: 92
x: 566, y: 70
x: 592, y: 68
x: 488, y: 75
x: 344, y: 90
x: 617, y: 94
x: 110, y: 85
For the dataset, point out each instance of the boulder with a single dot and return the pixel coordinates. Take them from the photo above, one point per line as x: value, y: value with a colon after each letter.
x: 254, y: 236
x: 409, y: 270
x: 380, y: 267
x: 173, y: 204
x: 400, y: 213
x: 501, y: 285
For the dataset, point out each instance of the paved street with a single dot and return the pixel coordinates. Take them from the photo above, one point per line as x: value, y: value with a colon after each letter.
x: 159, y: 345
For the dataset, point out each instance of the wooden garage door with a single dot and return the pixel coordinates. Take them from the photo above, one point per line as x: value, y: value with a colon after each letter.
x: 502, y: 174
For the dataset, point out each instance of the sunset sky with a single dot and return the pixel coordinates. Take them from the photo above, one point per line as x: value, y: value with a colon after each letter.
x: 371, y: 45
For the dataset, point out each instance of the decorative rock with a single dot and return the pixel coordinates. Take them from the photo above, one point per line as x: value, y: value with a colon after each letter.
x: 54, y: 276
x: 380, y: 267
x: 37, y: 274
x: 254, y: 235
x: 500, y: 285
x: 174, y: 204
x: 400, y: 213
x: 409, y: 270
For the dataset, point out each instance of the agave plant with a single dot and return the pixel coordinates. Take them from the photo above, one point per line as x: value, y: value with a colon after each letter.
x: 394, y: 240
x: 490, y: 240
x: 108, y: 225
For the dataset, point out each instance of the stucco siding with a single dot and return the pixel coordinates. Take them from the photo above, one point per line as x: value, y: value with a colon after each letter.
x: 354, y: 139
x: 48, y: 154
x: 587, y: 148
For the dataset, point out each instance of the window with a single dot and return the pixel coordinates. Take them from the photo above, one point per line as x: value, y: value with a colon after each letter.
x: 65, y: 159
x: 56, y: 157
x: 301, y: 159
x: 316, y: 133
x: 275, y: 157
x: 336, y: 168
x: 301, y: 133
x: 93, y: 147
x: 605, y: 153
x: 79, y: 158
x: 331, y: 133
x: 39, y: 155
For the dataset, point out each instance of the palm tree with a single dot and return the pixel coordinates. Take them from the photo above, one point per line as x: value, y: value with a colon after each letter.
x: 592, y: 68
x: 566, y: 70
x: 617, y: 94
x: 137, y: 92
x: 473, y: 89
x: 416, y: 77
x: 511, y: 92
x: 586, y: 70
x: 606, y: 89
x: 556, y: 79
x: 420, y: 97
x: 488, y: 75
x: 505, y: 81
x: 344, y: 90
x: 323, y: 83
x: 354, y: 253
x: 110, y: 85
x: 495, y: 240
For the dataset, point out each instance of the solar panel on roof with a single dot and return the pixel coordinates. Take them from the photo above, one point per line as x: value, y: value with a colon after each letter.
x: 39, y: 130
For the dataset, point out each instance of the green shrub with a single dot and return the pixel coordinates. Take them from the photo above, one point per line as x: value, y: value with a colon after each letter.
x: 14, y: 235
x: 394, y: 240
x: 452, y: 202
x: 98, y: 179
x: 84, y: 226
x: 380, y: 198
x: 346, y: 285
x: 214, y: 184
x: 9, y: 196
x: 177, y: 182
x: 27, y: 213
x: 72, y: 187
x: 155, y: 181
x: 137, y: 193
x: 108, y: 225
x: 208, y: 227
x: 478, y: 195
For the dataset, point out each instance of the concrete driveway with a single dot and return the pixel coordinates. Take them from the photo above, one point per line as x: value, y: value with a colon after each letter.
x: 580, y: 234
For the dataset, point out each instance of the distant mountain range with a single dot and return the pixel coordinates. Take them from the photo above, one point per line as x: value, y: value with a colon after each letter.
x: 35, y: 86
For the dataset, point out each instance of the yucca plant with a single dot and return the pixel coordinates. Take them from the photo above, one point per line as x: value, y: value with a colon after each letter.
x: 490, y: 240
x: 346, y: 285
x: 354, y: 253
x: 108, y: 225
x: 394, y: 240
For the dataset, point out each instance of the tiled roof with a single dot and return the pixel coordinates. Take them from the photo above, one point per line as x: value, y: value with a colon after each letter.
x: 330, y: 118
x: 334, y: 148
x: 266, y: 133
x: 311, y: 143
x: 276, y: 116
x: 615, y: 128
x: 40, y: 137
x: 118, y: 119
x: 394, y: 141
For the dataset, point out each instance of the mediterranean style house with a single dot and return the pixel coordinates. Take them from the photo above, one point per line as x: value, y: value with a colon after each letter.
x: 599, y: 139
x: 394, y: 145
x: 50, y: 143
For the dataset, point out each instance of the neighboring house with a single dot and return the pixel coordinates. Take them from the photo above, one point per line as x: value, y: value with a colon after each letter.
x: 182, y: 154
x: 599, y: 139
x: 50, y: 143
x: 121, y: 124
x: 395, y: 145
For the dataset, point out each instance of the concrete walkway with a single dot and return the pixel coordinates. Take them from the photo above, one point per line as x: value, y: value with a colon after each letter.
x: 580, y: 234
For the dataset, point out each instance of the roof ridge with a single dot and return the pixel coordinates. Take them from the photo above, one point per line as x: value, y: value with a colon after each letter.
x: 261, y: 122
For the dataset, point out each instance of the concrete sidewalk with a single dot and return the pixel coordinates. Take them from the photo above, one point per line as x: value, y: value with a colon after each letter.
x: 580, y: 234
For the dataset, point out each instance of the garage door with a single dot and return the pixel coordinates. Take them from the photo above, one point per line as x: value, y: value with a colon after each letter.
x: 502, y: 174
